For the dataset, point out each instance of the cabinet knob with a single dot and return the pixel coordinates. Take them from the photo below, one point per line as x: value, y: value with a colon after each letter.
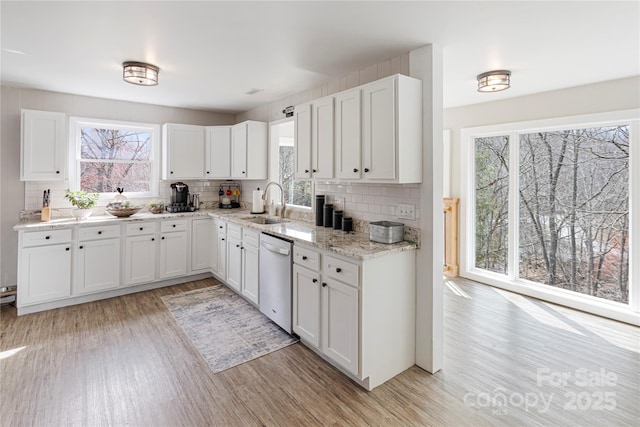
x: 306, y: 171
x: 314, y: 171
x: 141, y: 228
x: 162, y: 237
x: 153, y: 239
x: 355, y: 170
x: 207, y: 172
x: 174, y: 226
x: 66, y: 249
x: 57, y: 172
x: 315, y: 280
x: 220, y: 227
x: 338, y: 270
x: 171, y: 172
x: 99, y: 232
x: 47, y: 237
x: 243, y: 172
x: 304, y: 257
x: 242, y: 248
x: 81, y: 247
x: 366, y: 169
x: 237, y: 246
x: 324, y: 285
x: 222, y: 239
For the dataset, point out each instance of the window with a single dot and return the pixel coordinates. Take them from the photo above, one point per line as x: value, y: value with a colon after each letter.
x: 551, y: 208
x: 296, y: 192
x: 110, y: 155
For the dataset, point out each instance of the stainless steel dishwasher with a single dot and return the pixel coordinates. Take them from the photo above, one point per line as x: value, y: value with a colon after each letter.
x: 275, y: 279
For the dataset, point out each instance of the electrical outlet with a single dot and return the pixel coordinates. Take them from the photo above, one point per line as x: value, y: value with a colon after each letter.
x: 406, y: 211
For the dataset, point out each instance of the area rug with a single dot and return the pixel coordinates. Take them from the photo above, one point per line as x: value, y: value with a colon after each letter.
x: 225, y: 329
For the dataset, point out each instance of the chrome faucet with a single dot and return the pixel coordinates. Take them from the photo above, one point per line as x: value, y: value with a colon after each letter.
x: 264, y: 196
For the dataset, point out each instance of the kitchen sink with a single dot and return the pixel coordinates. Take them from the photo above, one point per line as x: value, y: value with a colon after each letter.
x: 263, y: 220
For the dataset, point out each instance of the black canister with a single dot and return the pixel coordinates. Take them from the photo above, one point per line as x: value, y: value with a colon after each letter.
x: 337, y: 220
x: 347, y: 223
x: 319, y: 209
x: 328, y: 215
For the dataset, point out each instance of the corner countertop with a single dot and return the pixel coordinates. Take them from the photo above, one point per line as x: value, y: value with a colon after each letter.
x: 352, y: 244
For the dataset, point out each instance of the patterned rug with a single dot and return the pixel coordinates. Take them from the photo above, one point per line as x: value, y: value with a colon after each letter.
x: 225, y: 329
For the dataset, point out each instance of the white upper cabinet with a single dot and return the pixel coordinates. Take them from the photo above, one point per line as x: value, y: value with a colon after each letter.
x: 347, y: 134
x: 218, y: 152
x: 249, y: 150
x: 43, y: 146
x: 302, y: 145
x: 392, y: 130
x: 322, y: 140
x: 183, y: 148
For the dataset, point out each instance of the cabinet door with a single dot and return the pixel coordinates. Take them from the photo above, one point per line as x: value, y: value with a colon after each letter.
x: 43, y: 146
x: 173, y: 254
x: 378, y: 130
x: 184, y: 150
x: 257, y: 144
x: 302, y: 141
x: 250, y: 273
x: 239, y: 151
x: 201, y: 243
x: 44, y: 274
x: 213, y: 254
x: 98, y: 265
x: 347, y: 134
x: 322, y: 138
x: 340, y: 324
x: 306, y: 305
x: 222, y: 257
x: 234, y: 263
x: 140, y: 259
x: 218, y: 152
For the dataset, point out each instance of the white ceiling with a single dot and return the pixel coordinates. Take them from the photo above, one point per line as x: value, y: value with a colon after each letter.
x: 211, y: 53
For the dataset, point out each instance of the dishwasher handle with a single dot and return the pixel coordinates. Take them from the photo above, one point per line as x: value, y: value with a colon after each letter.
x: 270, y: 247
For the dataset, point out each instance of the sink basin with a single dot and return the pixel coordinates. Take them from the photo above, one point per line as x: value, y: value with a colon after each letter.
x: 263, y: 220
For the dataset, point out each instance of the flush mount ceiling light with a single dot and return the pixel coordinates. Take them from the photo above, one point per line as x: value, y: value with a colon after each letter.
x: 139, y: 73
x: 494, y: 81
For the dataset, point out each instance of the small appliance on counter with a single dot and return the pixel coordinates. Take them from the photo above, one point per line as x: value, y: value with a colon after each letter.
x: 229, y: 195
x: 180, y: 200
x: 386, y: 232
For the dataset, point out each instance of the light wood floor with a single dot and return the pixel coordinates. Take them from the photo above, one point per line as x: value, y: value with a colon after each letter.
x: 124, y: 361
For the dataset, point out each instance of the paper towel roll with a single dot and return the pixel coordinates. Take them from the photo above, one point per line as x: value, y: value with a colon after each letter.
x: 258, y: 205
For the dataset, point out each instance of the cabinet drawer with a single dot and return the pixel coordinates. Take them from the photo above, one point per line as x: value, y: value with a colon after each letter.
x: 95, y: 233
x: 306, y: 257
x: 234, y: 231
x: 221, y: 226
x: 49, y: 237
x: 141, y: 228
x: 173, y: 225
x: 250, y: 237
x: 340, y: 270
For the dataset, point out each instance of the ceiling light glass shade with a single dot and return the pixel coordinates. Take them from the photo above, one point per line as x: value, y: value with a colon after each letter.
x: 494, y: 81
x: 139, y: 73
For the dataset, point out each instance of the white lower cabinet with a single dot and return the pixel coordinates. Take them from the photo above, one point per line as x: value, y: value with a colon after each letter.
x: 220, y: 263
x: 98, y: 259
x: 44, y: 273
x: 173, y: 254
x: 201, y: 244
x: 358, y: 314
x: 140, y: 253
x: 250, y: 267
x: 306, y: 304
x: 234, y: 257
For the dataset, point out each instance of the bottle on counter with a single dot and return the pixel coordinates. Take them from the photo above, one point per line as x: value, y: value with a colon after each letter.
x: 320, y: 199
x: 327, y: 218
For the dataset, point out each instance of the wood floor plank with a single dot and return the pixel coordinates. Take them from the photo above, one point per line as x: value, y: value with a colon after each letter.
x: 125, y: 362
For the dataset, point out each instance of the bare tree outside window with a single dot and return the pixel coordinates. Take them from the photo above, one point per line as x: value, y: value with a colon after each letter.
x: 574, y: 210
x: 112, y: 158
x: 296, y: 192
x: 492, y: 202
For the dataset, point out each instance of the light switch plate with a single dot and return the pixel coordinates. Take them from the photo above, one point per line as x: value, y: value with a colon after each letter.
x: 406, y: 211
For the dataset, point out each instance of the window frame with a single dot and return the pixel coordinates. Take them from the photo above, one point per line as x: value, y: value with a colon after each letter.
x: 75, y: 147
x: 511, y: 282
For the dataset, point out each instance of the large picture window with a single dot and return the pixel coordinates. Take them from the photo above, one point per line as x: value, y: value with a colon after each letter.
x: 551, y: 208
x: 110, y: 155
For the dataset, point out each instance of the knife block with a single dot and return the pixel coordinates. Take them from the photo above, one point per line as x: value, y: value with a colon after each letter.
x: 45, y: 214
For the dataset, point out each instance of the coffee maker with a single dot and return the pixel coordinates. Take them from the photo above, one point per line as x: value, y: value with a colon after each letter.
x: 179, y: 198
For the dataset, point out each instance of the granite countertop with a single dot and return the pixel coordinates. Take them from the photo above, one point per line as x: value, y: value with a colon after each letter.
x: 352, y: 244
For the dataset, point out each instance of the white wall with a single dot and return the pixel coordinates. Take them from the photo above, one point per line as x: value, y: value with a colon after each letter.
x: 12, y: 197
x: 613, y: 95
